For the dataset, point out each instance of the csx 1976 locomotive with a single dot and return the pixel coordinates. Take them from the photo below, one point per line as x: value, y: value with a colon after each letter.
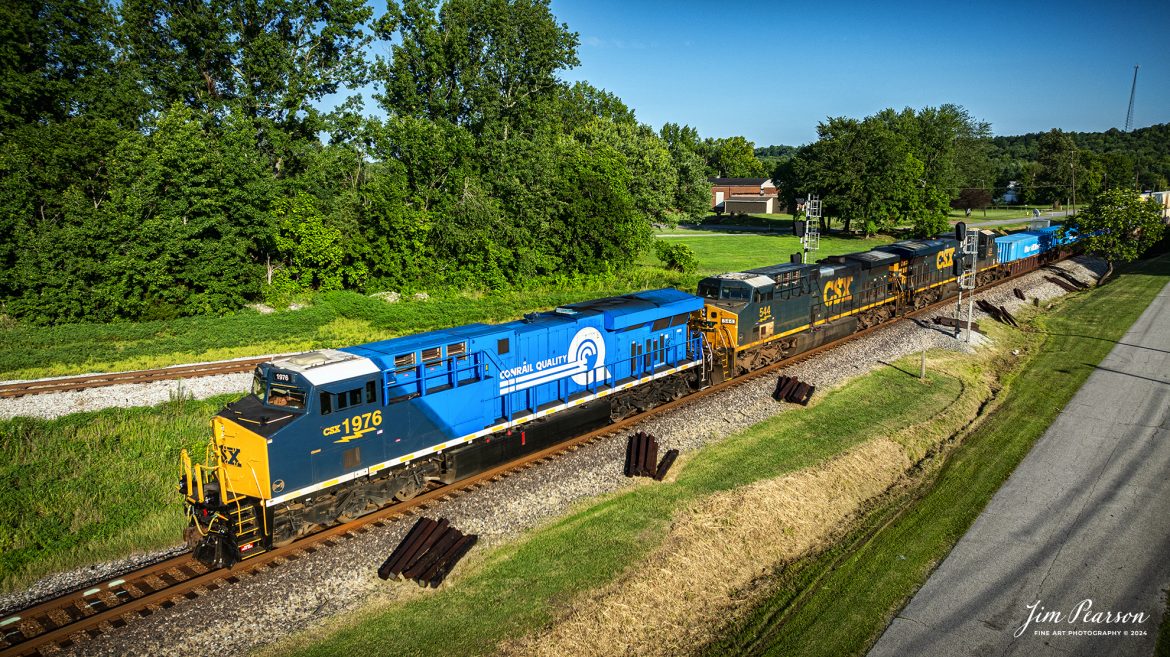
x: 329, y: 435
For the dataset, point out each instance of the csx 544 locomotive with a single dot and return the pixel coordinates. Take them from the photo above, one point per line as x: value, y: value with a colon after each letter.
x: 329, y: 435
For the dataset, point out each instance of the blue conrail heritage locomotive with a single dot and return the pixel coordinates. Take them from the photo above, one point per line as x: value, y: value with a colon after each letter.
x: 329, y: 435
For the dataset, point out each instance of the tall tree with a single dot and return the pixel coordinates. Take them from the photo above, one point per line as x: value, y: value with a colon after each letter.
x: 1059, y: 164
x: 486, y: 65
x: 731, y: 157
x: 273, y: 59
x: 1119, y: 225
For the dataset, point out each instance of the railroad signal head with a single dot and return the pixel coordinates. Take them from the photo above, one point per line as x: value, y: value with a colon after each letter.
x: 961, y: 231
x: 799, y: 227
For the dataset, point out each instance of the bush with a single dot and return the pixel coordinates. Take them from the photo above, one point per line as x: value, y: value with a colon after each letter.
x: 678, y: 257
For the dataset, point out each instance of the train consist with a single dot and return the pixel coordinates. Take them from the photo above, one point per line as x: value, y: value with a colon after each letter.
x: 330, y: 435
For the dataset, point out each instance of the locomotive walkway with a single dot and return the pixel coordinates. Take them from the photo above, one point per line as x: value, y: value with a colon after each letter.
x: 1084, y: 517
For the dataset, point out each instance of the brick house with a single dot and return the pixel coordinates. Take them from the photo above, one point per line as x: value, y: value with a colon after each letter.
x: 723, y: 189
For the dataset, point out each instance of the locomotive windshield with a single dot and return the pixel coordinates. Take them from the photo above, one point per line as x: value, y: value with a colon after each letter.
x: 280, y: 394
x: 732, y: 291
x: 288, y: 396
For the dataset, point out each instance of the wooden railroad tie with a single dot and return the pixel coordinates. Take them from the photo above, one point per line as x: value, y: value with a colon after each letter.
x: 998, y: 313
x: 642, y: 455
x: 956, y: 323
x: 793, y: 390
x: 1064, y: 284
x: 428, y: 552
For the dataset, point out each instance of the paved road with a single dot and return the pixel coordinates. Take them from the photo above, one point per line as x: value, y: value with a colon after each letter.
x: 1086, y: 516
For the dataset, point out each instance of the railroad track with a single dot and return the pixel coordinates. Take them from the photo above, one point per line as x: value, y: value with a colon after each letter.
x: 42, y: 386
x: 59, y: 623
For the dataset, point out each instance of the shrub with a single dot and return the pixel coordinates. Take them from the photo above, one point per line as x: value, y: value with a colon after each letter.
x: 678, y: 257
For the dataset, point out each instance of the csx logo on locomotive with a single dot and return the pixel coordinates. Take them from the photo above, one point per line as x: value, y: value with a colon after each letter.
x: 229, y: 455
x: 945, y: 259
x: 837, y: 291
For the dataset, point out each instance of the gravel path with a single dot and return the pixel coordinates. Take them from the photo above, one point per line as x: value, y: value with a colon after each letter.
x: 344, y: 578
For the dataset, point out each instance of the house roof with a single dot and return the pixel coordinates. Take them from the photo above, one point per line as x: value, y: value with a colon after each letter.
x: 740, y: 181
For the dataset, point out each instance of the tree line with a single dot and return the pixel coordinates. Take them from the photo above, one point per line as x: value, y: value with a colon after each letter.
x: 907, y: 168
x: 172, y: 157
x: 161, y: 158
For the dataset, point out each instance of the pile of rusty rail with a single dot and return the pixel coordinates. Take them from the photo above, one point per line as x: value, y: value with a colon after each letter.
x: 793, y: 390
x: 642, y: 455
x: 998, y: 313
x: 428, y: 553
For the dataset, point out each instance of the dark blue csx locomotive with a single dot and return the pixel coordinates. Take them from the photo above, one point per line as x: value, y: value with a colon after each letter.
x: 329, y: 435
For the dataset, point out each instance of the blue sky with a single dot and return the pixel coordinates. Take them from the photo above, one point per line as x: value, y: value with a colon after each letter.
x: 772, y: 70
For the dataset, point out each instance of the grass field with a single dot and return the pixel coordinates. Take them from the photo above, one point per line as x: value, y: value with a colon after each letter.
x: 839, y: 602
x: 90, y: 487
x: 346, y: 318
x: 722, y: 252
x: 520, y: 587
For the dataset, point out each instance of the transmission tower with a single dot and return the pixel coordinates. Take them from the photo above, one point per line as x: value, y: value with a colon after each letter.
x: 1132, y: 91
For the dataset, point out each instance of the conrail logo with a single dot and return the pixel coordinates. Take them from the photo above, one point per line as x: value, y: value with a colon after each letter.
x: 837, y: 290
x: 584, y: 362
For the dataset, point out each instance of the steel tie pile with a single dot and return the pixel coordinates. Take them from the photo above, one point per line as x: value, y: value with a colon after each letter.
x: 642, y: 454
x: 793, y: 390
x: 428, y: 552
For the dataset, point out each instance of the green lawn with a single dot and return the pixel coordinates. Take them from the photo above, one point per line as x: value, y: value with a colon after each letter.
x: 90, y: 487
x: 839, y: 603
x: 521, y: 586
x: 722, y: 252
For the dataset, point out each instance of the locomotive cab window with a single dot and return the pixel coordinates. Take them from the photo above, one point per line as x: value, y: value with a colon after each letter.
x: 326, y: 403
x: 287, y: 396
x: 259, y: 385
x: 734, y: 293
x: 371, y: 392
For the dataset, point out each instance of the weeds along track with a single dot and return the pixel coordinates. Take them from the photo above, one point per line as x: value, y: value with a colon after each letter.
x: 65, y: 384
x: 105, y: 607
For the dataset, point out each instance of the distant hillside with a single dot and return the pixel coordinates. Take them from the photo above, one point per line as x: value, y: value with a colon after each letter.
x: 1152, y: 143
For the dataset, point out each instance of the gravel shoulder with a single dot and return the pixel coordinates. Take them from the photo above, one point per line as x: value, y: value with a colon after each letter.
x: 343, y: 578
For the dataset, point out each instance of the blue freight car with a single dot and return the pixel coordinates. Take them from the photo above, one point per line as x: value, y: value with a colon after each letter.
x: 1017, y: 246
x: 334, y: 433
x: 1052, y: 237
